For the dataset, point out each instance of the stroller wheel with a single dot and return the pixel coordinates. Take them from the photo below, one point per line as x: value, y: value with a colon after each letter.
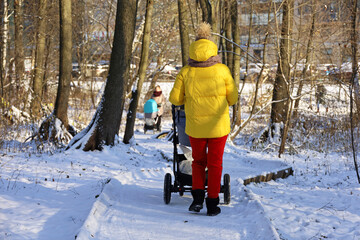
x: 162, y: 135
x: 227, y: 194
x: 181, y: 190
x: 167, y: 188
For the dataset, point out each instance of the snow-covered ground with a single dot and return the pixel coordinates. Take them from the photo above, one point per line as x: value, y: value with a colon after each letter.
x: 118, y: 194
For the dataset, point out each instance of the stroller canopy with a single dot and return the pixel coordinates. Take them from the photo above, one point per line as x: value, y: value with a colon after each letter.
x: 150, y: 106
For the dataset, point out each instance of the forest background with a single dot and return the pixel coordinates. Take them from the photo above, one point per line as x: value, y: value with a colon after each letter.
x: 56, y: 57
x: 75, y: 75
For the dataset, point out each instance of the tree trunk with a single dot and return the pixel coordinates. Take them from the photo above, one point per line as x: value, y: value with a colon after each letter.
x: 236, y: 38
x: 354, y: 80
x: 279, y: 107
x: 307, y: 61
x: 39, y: 62
x: 238, y: 126
x: 4, y: 46
x: 236, y: 59
x: 206, y: 11
x: 222, y: 40
x: 62, y: 97
x: 49, y: 46
x: 56, y: 127
x: 184, y: 30
x: 19, y: 44
x: 249, y: 38
x: 215, y: 16
x: 228, y: 35
x: 105, y: 124
x: 354, y: 47
x: 134, y: 102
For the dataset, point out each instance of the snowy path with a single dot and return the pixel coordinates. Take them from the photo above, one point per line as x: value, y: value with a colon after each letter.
x: 135, y: 210
x: 131, y: 206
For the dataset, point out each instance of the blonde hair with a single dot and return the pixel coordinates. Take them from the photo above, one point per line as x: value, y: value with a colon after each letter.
x: 203, y: 31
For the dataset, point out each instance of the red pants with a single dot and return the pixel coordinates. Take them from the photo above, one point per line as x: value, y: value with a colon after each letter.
x: 207, y: 152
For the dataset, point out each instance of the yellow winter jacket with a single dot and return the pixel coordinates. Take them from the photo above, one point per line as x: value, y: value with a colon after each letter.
x: 206, y: 92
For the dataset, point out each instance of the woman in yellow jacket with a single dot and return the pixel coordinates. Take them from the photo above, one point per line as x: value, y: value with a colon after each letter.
x: 207, y: 89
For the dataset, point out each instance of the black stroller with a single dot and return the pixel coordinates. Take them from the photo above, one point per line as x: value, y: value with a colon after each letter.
x: 182, y: 162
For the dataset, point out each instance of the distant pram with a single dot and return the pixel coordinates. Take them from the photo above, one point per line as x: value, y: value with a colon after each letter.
x: 150, y: 114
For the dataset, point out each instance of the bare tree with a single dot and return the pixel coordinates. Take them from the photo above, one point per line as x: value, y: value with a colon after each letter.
x: 354, y: 48
x: 228, y: 34
x: 206, y: 11
x: 184, y: 30
x: 56, y: 127
x: 104, y: 127
x: 279, y: 107
x: 62, y: 97
x: 4, y: 45
x: 238, y: 126
x: 164, y: 34
x: 19, y: 43
x: 39, y: 61
x: 215, y: 15
x: 354, y: 86
x: 131, y: 116
x: 249, y: 36
x: 236, y: 38
x: 236, y: 58
x: 232, y: 49
x: 305, y: 70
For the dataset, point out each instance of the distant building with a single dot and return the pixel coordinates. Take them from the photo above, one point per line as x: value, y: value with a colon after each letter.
x: 331, y: 38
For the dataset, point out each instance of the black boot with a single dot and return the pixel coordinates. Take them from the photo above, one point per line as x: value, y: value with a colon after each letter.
x: 212, y: 208
x: 198, y: 196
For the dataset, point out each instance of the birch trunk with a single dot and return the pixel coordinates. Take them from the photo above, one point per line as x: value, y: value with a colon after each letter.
x: 4, y: 46
x: 19, y: 44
